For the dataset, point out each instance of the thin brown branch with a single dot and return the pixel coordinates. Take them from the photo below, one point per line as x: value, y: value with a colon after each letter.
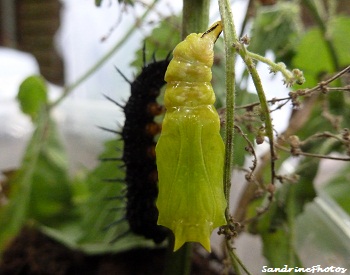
x: 301, y: 153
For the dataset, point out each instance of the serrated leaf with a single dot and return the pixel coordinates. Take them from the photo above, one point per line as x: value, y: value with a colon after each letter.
x: 276, y: 28
x: 314, y: 57
x: 41, y: 189
x: 32, y: 95
x: 99, y: 213
x: 89, y: 232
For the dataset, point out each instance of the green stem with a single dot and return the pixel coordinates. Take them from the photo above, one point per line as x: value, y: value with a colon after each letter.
x: 195, y: 16
x: 178, y: 262
x: 275, y: 67
x: 68, y: 89
x: 263, y: 102
x: 230, y: 38
x: 291, y: 225
x: 236, y: 261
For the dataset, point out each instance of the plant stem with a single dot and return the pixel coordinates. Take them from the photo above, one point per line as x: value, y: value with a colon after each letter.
x: 68, y: 89
x: 291, y: 204
x: 263, y: 103
x: 236, y: 261
x: 230, y: 38
x: 178, y: 262
x: 195, y: 16
x: 275, y: 67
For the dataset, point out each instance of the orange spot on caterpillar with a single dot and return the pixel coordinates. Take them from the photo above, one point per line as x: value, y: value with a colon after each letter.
x: 153, y: 128
x: 139, y: 151
x: 155, y: 109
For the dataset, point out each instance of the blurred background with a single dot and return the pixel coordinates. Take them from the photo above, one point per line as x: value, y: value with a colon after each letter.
x: 62, y: 40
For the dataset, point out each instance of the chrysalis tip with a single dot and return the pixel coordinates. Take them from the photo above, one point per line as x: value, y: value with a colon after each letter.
x: 179, y: 244
x: 214, y: 31
x: 192, y: 233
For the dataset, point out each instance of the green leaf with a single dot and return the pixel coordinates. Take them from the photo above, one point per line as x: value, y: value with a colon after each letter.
x: 278, y: 249
x: 313, y: 56
x: 323, y: 234
x: 339, y: 188
x: 339, y: 32
x: 276, y: 28
x: 89, y: 232
x: 96, y: 210
x: 32, y: 95
x: 41, y: 190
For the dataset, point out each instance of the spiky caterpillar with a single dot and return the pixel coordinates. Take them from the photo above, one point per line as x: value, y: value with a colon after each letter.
x: 190, y: 150
x: 138, y: 135
x: 138, y: 152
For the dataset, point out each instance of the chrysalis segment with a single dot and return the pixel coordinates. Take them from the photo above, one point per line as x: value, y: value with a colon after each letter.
x: 190, y: 150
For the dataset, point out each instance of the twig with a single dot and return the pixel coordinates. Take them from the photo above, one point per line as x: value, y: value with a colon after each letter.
x: 312, y: 154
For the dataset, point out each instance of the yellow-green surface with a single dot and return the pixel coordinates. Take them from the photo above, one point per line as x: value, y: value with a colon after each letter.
x: 190, y: 150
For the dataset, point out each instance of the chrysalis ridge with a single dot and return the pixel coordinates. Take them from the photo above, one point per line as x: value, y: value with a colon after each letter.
x: 190, y: 150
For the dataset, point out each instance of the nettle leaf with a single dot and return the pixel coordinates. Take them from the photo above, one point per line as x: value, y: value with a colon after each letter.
x: 96, y: 210
x: 32, y: 95
x: 276, y: 28
x: 313, y: 55
x: 41, y: 189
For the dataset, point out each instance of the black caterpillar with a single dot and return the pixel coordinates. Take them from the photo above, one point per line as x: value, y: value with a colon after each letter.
x: 139, y: 150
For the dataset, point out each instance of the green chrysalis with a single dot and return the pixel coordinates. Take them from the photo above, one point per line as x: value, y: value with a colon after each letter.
x: 190, y: 150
